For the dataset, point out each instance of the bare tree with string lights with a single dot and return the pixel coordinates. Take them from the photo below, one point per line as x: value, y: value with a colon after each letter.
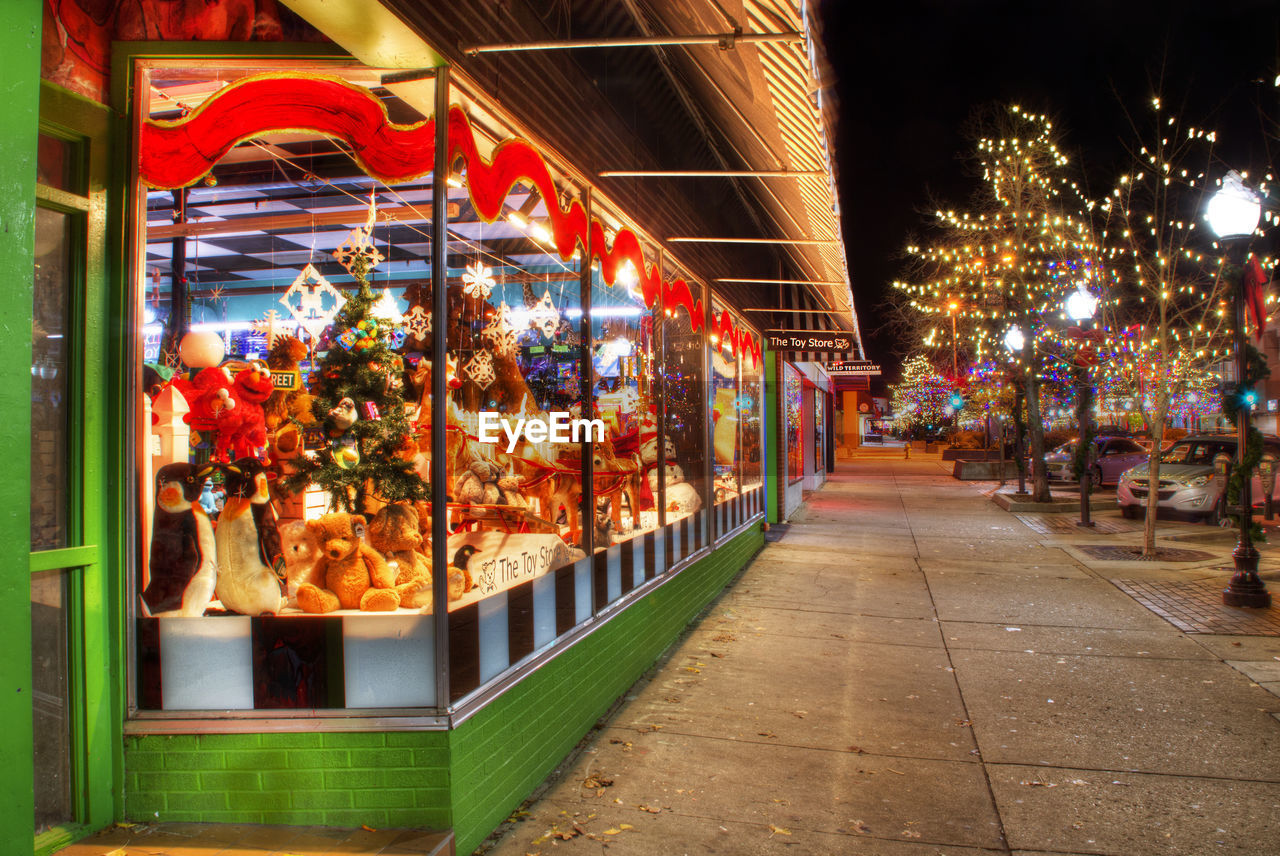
x: 1001, y: 269
x: 1169, y: 321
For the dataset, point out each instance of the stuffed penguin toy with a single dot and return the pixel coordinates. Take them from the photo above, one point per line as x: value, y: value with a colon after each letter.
x: 183, y: 561
x: 250, y: 559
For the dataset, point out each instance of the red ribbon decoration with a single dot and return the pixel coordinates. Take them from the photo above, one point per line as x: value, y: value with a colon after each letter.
x: 179, y: 153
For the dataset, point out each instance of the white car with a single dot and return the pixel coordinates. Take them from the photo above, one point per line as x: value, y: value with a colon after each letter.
x: 1189, y: 485
x: 1111, y: 457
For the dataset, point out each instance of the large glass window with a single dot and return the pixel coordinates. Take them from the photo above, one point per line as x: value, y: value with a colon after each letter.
x: 286, y: 327
x: 284, y: 301
x: 683, y: 463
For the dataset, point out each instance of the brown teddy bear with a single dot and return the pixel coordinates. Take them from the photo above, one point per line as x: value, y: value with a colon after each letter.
x: 355, y: 576
x: 301, y: 545
x: 394, y: 533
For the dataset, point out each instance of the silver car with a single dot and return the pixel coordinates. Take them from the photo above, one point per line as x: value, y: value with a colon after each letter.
x: 1112, y: 456
x: 1189, y: 485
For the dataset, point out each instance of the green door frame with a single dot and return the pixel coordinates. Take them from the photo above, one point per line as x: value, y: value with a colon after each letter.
x: 20, y: 69
x: 93, y: 559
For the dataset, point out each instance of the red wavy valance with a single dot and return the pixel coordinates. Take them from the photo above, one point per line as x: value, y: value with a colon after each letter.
x: 179, y: 153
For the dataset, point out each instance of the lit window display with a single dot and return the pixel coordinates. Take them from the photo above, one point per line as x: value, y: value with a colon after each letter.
x: 793, y: 419
x: 285, y: 557
x: 287, y: 426
x: 678, y: 471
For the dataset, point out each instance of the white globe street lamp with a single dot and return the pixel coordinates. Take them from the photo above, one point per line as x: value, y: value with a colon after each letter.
x: 1233, y: 214
x: 1013, y: 338
x: 1080, y: 305
x: 1234, y: 210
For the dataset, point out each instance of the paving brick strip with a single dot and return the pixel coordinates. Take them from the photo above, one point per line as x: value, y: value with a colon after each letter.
x: 913, y: 670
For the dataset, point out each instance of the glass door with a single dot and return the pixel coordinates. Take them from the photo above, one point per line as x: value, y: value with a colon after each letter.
x: 68, y: 642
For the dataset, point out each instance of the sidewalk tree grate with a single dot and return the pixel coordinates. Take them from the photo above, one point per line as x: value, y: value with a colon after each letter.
x: 1116, y: 553
x: 1060, y: 524
x: 1196, y: 607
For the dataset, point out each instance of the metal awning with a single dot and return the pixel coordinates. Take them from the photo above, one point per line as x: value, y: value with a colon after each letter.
x: 727, y: 139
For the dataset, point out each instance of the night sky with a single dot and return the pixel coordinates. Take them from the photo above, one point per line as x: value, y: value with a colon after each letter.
x: 911, y: 72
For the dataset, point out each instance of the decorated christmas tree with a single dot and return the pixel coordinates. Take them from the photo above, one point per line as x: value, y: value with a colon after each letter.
x: 368, y: 447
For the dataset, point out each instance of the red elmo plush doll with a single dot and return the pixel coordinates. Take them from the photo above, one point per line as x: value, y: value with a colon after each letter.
x: 242, y: 427
x: 207, y: 395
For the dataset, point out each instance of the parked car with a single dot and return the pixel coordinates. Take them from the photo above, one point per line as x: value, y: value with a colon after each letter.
x: 1112, y: 456
x: 1189, y: 485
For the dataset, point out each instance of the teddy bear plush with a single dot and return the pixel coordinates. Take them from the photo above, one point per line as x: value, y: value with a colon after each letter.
x: 301, y: 547
x: 393, y: 532
x: 285, y: 404
x: 355, y: 575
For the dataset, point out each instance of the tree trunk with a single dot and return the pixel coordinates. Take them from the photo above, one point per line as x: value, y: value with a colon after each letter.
x: 1153, y: 473
x: 1035, y: 428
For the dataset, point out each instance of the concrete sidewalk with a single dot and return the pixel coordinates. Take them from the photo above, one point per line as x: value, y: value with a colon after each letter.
x: 913, y: 670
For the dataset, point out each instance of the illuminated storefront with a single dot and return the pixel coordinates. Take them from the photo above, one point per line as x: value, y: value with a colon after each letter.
x: 382, y: 428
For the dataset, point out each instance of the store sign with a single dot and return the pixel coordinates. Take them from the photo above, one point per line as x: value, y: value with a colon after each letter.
x: 809, y: 340
x: 561, y: 428
x: 848, y: 368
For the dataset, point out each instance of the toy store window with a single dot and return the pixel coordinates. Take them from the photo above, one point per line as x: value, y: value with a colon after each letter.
x: 517, y: 417
x: 750, y: 424
x: 793, y: 421
x: 725, y: 389
x: 284, y: 324
x: 685, y: 468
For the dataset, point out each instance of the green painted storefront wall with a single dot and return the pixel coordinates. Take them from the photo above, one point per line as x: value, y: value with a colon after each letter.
x: 398, y: 779
x: 468, y: 779
x: 20, y: 85
x: 503, y: 752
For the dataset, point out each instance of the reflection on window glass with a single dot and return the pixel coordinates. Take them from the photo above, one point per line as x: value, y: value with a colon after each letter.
x: 49, y: 405
x: 793, y: 404
x: 50, y: 704
x: 622, y: 353
x: 686, y: 419
x: 55, y: 164
x: 750, y: 402
x: 819, y: 439
x: 726, y: 432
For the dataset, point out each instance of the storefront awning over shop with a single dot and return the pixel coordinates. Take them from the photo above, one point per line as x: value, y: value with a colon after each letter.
x: 725, y: 144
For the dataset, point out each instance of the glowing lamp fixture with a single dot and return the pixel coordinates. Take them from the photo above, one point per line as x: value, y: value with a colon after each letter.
x: 1234, y: 210
x: 1013, y: 338
x: 1080, y: 304
x: 201, y: 349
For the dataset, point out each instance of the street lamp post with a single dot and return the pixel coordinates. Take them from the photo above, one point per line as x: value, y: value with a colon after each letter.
x: 1080, y: 306
x: 955, y: 370
x: 1014, y: 340
x: 1233, y: 215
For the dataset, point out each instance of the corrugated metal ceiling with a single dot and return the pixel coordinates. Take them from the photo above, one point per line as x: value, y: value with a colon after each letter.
x: 750, y: 107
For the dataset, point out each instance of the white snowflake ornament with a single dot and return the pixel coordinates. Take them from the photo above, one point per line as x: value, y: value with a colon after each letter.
x: 478, y: 281
x: 359, y: 244
x: 271, y: 327
x: 499, y: 332
x: 310, y: 312
x: 480, y: 369
x: 545, y: 316
x: 418, y: 322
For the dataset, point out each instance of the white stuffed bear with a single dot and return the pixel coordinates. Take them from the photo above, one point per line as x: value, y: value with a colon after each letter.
x: 649, y: 450
x: 682, y: 497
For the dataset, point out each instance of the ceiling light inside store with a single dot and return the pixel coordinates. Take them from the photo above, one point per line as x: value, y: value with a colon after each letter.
x: 539, y: 232
x: 515, y: 218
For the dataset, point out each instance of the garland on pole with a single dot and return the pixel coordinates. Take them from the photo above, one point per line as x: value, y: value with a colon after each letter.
x: 1255, y: 371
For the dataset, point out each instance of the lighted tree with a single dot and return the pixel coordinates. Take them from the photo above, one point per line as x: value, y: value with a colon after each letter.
x: 1171, y: 318
x: 1009, y: 261
x: 368, y: 453
x: 922, y: 397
